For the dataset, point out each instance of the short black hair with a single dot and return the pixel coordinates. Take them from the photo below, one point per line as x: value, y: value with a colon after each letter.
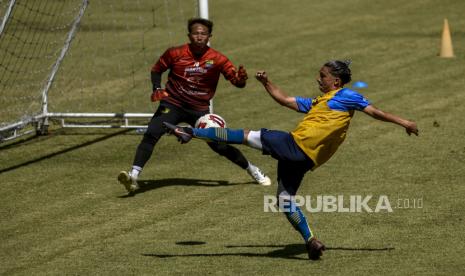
x: 340, y: 69
x: 207, y: 23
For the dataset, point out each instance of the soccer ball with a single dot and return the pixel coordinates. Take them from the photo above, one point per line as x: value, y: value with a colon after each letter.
x: 210, y: 120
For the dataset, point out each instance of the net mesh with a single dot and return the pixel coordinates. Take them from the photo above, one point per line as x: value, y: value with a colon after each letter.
x: 106, y: 69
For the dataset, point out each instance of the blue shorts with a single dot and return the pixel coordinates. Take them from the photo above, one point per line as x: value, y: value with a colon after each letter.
x: 293, y: 163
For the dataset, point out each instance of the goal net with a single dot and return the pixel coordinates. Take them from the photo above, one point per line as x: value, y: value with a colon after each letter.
x: 73, y: 61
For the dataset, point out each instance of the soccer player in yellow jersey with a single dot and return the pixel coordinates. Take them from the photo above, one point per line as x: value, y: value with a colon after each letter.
x: 314, y: 140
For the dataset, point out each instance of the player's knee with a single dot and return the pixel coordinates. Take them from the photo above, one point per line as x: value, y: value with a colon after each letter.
x: 215, y: 146
x: 253, y: 139
x: 221, y: 149
x: 283, y: 198
x: 150, y: 138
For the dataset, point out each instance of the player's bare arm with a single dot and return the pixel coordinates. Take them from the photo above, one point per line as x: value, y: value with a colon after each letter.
x: 275, y: 92
x: 410, y: 126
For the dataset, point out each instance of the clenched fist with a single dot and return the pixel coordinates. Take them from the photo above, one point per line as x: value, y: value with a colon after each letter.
x: 158, y: 95
x: 240, y: 77
x: 261, y: 76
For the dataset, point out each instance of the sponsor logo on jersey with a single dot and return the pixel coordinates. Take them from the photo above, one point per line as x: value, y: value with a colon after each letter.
x: 209, y: 63
x: 195, y: 70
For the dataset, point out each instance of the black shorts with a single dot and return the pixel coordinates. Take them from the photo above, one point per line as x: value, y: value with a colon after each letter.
x: 170, y: 113
x: 293, y: 163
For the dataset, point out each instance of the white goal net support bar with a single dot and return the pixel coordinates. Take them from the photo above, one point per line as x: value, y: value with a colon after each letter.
x: 108, y: 63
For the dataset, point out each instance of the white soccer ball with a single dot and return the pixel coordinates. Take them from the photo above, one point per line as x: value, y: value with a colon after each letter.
x: 210, y: 120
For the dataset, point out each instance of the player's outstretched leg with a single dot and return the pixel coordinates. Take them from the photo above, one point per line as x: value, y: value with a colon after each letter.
x: 184, y: 134
x: 215, y: 134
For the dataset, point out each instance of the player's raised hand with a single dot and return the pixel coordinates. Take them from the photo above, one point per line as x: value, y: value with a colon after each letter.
x: 261, y: 76
x: 241, y: 74
x: 158, y: 95
x: 240, y: 77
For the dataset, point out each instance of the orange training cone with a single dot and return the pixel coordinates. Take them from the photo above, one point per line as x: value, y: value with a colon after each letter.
x: 446, y: 42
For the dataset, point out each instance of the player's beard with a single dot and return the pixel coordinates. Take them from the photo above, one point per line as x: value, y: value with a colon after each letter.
x: 199, y: 48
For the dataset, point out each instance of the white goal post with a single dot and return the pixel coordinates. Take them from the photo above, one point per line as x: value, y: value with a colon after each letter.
x: 19, y: 82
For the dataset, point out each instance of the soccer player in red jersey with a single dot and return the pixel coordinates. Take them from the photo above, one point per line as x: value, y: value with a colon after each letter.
x: 194, y: 72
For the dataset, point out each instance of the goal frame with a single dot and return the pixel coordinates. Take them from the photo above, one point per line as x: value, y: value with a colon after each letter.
x: 39, y: 123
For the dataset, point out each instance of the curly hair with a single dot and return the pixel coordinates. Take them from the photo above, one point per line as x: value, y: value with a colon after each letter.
x: 340, y: 69
x: 207, y: 23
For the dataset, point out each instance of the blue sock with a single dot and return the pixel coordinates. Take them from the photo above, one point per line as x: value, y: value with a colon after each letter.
x: 218, y: 134
x: 299, y: 222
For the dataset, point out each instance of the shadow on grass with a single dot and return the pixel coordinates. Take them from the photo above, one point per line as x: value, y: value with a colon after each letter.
x: 190, y: 242
x: 287, y: 252
x: 147, y: 185
x: 290, y: 251
x: 63, y: 151
x: 327, y: 247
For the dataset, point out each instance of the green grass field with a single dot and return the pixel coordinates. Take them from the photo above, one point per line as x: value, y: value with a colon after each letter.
x: 63, y: 213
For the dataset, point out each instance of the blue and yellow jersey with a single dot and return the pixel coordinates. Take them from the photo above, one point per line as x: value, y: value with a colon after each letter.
x: 324, y: 127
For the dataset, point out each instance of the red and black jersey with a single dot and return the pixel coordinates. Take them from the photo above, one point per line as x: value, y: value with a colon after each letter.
x: 192, y: 81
